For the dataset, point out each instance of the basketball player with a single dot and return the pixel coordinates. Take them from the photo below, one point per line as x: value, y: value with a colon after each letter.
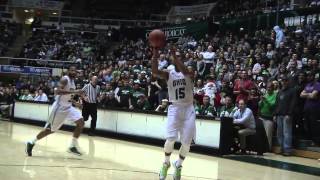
x: 62, y: 110
x: 181, y: 114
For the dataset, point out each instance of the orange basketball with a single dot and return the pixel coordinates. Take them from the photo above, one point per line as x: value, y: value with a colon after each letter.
x: 157, y: 38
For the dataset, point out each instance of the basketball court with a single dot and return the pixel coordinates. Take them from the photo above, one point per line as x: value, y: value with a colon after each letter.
x: 110, y: 159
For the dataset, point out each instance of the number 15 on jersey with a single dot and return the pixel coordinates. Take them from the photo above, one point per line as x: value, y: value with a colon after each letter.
x: 180, y: 93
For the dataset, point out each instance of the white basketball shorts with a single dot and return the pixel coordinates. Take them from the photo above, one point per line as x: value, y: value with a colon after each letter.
x: 181, y: 122
x: 59, y: 114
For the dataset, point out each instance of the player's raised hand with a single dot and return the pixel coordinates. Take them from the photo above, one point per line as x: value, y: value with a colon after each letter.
x: 173, y: 54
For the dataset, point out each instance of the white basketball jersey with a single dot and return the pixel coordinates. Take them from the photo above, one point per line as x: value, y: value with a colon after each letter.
x: 64, y: 100
x: 180, y: 88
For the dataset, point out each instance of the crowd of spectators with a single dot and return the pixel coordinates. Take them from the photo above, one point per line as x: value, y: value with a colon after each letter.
x: 239, y: 8
x: 55, y: 43
x: 8, y: 33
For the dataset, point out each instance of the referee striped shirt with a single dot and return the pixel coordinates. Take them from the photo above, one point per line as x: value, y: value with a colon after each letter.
x: 92, y: 92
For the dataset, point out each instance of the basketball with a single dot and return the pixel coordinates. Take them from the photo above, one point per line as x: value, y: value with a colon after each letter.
x: 157, y: 38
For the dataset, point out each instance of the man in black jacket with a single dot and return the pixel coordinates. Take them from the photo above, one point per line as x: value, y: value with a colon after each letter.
x: 285, y: 104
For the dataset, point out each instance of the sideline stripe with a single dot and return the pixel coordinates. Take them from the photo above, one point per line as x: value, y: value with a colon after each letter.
x: 277, y: 164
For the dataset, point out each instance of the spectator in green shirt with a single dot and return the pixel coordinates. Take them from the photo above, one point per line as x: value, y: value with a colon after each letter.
x: 124, y: 94
x: 266, y: 108
x: 28, y: 95
x: 205, y: 109
x: 143, y: 103
x: 24, y: 95
x: 136, y: 93
x: 228, y: 109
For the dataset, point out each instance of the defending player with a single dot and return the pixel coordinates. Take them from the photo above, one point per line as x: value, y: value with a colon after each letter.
x: 62, y: 110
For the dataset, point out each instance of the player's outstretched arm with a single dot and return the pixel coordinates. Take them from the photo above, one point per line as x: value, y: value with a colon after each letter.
x: 60, y: 91
x: 154, y: 65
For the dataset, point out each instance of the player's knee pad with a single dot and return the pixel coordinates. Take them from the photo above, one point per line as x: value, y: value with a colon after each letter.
x: 169, y: 145
x: 184, y: 149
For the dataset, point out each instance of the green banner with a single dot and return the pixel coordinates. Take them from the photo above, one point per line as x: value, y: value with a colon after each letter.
x: 197, y: 30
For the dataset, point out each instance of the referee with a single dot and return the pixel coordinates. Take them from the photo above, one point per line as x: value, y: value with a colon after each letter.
x: 90, y: 100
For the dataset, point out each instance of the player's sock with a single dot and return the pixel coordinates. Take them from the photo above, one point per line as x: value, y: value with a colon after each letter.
x: 74, y: 142
x: 168, y: 148
x: 33, y: 141
x: 167, y: 159
x: 183, y: 151
x: 179, y: 162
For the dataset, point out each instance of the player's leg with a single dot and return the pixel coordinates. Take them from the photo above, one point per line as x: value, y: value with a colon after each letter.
x: 54, y: 122
x: 187, y: 134
x: 168, y: 149
x: 183, y: 151
x: 43, y: 134
x: 75, y: 116
x: 79, y: 127
x: 172, y: 128
x: 30, y: 144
